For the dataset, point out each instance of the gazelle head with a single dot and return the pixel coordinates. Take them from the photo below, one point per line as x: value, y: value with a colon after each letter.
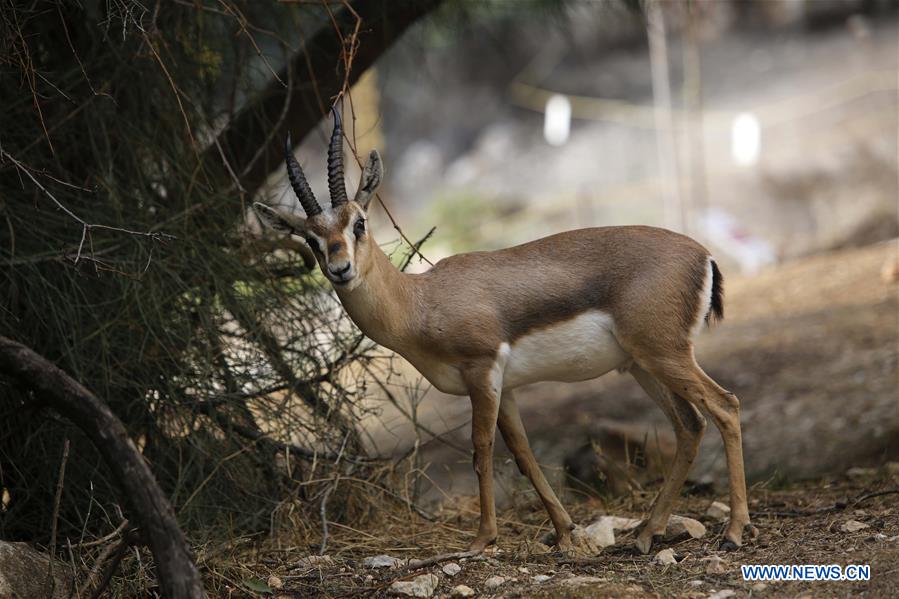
x: 337, y: 234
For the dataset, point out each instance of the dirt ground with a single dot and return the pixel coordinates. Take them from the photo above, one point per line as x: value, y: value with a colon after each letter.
x: 811, y: 349
x: 798, y: 524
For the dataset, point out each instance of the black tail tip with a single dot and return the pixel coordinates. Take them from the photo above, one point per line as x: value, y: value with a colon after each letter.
x: 716, y: 311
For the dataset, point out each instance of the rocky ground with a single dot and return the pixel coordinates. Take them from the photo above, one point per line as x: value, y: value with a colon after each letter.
x: 850, y: 519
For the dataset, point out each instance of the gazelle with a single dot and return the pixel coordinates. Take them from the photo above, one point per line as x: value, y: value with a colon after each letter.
x: 568, y: 307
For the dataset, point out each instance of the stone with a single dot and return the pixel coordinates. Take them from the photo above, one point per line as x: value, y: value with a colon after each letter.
x: 718, y: 512
x: 275, y: 582
x: 23, y: 573
x: 462, y: 590
x: 681, y: 527
x: 696, y: 583
x: 600, y: 533
x: 540, y: 578
x: 621, y: 523
x: 420, y: 586
x: 853, y: 526
x: 382, y: 561
x: 494, y: 582
x: 722, y: 594
x: 451, y: 569
x: 714, y: 565
x: 758, y: 587
x: 665, y: 557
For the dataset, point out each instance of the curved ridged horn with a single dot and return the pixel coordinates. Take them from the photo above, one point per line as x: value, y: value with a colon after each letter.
x: 299, y: 183
x: 336, y: 183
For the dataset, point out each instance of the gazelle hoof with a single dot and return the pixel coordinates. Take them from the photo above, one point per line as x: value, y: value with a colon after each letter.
x: 480, y: 545
x: 644, y: 544
x: 728, y: 545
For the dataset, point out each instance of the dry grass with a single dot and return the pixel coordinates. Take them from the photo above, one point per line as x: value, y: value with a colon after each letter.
x: 798, y: 524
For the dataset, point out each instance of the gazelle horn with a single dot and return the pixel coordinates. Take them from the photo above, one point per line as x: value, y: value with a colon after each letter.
x: 299, y: 183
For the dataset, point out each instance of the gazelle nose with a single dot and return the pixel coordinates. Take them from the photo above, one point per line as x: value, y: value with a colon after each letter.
x: 339, y: 271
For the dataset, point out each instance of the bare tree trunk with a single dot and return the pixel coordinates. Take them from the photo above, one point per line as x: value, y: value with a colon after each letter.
x: 177, y: 572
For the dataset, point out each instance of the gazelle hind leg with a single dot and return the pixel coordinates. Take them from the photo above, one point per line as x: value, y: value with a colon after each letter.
x: 516, y: 439
x: 724, y: 408
x: 689, y: 426
x: 681, y: 374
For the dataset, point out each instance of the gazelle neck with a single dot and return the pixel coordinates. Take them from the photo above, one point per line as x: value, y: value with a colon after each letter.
x: 383, y: 305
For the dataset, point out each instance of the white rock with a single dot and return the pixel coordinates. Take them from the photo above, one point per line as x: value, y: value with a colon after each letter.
x: 451, y: 569
x: 541, y: 578
x: 722, y: 594
x: 679, y: 526
x: 382, y: 561
x: 665, y: 556
x: 620, y: 523
x: 718, y: 512
x: 853, y: 526
x: 494, y: 581
x: 714, y: 565
x: 462, y: 590
x: 420, y: 586
x: 697, y: 583
x: 275, y: 582
x: 524, y: 570
x: 600, y: 533
x: 758, y: 587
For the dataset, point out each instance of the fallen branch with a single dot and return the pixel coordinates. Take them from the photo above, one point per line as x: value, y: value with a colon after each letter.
x: 418, y: 564
x: 867, y: 496
x: 177, y: 572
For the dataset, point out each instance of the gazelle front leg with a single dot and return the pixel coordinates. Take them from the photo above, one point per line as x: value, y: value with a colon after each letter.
x: 484, y: 390
x: 516, y: 439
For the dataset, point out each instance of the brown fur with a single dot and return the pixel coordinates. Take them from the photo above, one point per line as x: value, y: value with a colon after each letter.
x: 468, y: 304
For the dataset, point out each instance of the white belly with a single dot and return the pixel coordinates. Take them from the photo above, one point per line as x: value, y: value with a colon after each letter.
x: 575, y: 350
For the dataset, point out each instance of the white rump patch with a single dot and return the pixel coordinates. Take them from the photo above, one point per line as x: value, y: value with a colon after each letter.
x: 705, y: 300
x: 578, y: 349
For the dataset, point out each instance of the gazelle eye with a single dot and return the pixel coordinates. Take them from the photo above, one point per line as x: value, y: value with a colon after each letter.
x: 313, y: 244
x: 359, y: 228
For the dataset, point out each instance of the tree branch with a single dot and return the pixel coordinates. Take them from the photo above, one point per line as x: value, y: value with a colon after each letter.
x: 259, y: 125
x: 178, y: 575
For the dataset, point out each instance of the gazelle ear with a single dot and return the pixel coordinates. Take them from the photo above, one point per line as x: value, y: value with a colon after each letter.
x: 370, y: 180
x: 280, y: 221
